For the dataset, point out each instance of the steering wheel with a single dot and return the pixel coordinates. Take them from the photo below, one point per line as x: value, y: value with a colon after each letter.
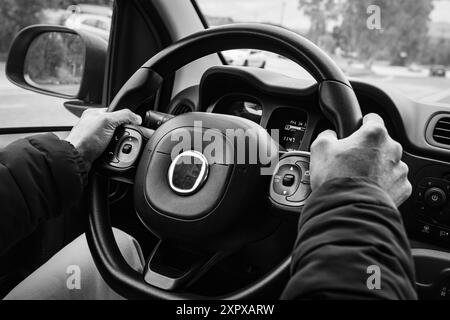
x: 207, y: 208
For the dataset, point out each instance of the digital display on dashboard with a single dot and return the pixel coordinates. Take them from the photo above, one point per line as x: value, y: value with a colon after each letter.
x: 291, y: 124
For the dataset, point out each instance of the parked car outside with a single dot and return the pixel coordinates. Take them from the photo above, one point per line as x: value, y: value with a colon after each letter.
x: 438, y: 71
x: 246, y: 58
x: 90, y: 18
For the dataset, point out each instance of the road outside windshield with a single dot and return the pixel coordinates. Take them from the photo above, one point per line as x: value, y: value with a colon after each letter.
x: 402, y: 44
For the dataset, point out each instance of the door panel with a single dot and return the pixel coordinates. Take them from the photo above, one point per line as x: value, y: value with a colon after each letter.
x: 6, y: 139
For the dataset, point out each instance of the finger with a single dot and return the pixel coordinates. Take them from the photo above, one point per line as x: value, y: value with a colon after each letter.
x: 405, y: 192
x: 124, y: 116
x: 373, y: 118
x: 402, y: 170
x: 327, y: 135
x: 401, y: 189
x: 323, y: 141
x: 94, y: 110
x: 397, y: 150
x: 373, y: 131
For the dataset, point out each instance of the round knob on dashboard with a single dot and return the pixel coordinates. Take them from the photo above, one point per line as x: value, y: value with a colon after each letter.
x: 435, y: 197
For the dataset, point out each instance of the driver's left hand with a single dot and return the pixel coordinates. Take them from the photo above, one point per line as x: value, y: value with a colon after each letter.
x: 93, y: 132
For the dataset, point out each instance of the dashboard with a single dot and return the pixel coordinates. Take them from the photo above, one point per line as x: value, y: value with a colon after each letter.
x: 291, y: 106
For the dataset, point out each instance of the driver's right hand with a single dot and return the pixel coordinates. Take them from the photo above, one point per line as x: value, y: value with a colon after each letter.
x: 368, y: 153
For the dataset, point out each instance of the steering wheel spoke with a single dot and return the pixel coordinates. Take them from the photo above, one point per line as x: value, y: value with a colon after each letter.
x: 121, y: 157
x: 173, y: 268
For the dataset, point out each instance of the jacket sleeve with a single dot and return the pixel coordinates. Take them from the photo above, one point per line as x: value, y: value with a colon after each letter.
x: 348, y: 225
x: 40, y: 177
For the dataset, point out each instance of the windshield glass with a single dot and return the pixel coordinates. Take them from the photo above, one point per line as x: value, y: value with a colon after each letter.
x: 401, y: 43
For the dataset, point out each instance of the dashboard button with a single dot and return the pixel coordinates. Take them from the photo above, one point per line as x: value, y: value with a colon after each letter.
x: 443, y: 235
x: 435, y: 197
x: 426, y: 230
x: 444, y: 291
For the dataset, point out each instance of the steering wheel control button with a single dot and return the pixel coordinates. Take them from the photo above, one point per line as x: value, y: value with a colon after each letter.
x: 435, y: 197
x: 290, y: 185
x: 111, y: 157
x: 302, y: 193
x: 126, y: 149
x: 188, y: 172
x: 288, y: 180
x: 306, y: 177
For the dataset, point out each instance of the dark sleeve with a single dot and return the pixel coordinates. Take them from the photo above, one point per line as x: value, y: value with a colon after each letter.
x: 346, y: 226
x: 40, y: 177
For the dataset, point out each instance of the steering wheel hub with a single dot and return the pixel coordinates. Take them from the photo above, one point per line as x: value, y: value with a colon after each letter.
x: 191, y: 179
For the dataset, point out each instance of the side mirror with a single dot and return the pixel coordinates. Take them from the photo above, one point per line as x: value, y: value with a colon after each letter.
x: 58, y: 61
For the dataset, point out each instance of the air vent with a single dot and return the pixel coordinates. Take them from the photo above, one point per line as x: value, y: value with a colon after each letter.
x: 441, y: 131
x: 181, y: 108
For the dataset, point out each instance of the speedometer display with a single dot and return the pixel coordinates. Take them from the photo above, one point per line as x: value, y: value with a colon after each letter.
x: 291, y: 124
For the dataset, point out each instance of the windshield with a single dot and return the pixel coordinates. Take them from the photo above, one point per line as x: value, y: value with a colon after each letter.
x: 400, y: 43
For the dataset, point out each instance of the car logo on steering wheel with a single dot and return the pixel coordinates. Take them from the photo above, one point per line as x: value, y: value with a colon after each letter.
x: 188, y: 172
